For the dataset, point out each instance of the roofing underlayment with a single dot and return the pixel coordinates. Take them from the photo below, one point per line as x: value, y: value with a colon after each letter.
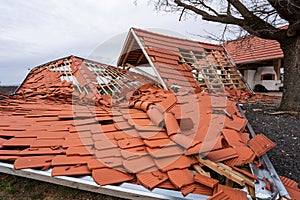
x: 149, y: 122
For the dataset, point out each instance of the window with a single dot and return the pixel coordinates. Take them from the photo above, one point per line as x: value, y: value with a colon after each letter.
x: 268, y: 77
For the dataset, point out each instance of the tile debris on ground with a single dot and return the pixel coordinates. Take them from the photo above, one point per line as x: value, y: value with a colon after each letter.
x: 79, y: 117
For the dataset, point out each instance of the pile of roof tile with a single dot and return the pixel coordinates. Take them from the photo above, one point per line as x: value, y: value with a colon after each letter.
x: 79, y: 117
x: 153, y: 137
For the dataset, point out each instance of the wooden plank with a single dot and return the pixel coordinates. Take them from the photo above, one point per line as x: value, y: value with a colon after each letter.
x: 200, y: 170
x: 227, y: 171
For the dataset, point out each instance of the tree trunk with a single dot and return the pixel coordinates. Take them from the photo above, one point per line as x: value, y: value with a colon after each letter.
x: 291, y: 83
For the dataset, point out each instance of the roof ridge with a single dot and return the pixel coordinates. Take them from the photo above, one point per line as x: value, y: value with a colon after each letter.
x: 174, y: 37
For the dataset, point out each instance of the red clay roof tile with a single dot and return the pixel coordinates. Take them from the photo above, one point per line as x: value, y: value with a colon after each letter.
x: 33, y: 162
x: 260, y: 144
x: 159, y: 143
x: 104, y: 143
x: 129, y: 143
x: 42, y: 151
x: 289, y: 182
x: 107, y: 176
x: 180, y: 177
x: 174, y: 162
x: 9, y: 152
x: 196, y: 189
x: 140, y: 164
x: 123, y: 125
x: 185, y: 141
x: 207, y: 181
x: 80, y: 150
x: 8, y: 158
x: 205, y: 146
x: 151, y: 179
x: 222, y: 154
x: 167, y: 185
x: 153, y: 135
x: 245, y: 155
x: 47, y: 143
x: 219, y: 196
x: 237, y: 123
x: 171, y: 124
x: 70, y: 160
x: 233, y: 193
x: 247, y: 173
x: 106, y: 153
x: 111, y: 162
x: 165, y: 152
x: 19, y: 142
x: 70, y: 170
x: 168, y: 103
x: 1, y: 142
x: 135, y: 152
x: 155, y: 115
x: 232, y: 137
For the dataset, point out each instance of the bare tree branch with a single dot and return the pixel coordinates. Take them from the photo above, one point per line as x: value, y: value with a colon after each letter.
x: 287, y: 9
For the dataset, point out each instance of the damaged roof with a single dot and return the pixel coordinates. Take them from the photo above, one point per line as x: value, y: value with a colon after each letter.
x: 79, y: 117
x: 180, y: 63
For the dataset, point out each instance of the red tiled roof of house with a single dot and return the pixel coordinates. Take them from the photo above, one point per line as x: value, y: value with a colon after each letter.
x: 176, y: 59
x: 252, y: 49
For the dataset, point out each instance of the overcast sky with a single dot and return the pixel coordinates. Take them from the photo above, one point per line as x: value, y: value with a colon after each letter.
x: 34, y: 32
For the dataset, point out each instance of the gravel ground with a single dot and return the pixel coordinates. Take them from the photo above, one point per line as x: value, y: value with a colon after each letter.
x: 284, y: 130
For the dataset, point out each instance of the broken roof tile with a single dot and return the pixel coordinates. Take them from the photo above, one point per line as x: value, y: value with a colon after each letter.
x: 180, y: 177
x: 107, y: 176
x: 260, y: 144
x: 151, y: 179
